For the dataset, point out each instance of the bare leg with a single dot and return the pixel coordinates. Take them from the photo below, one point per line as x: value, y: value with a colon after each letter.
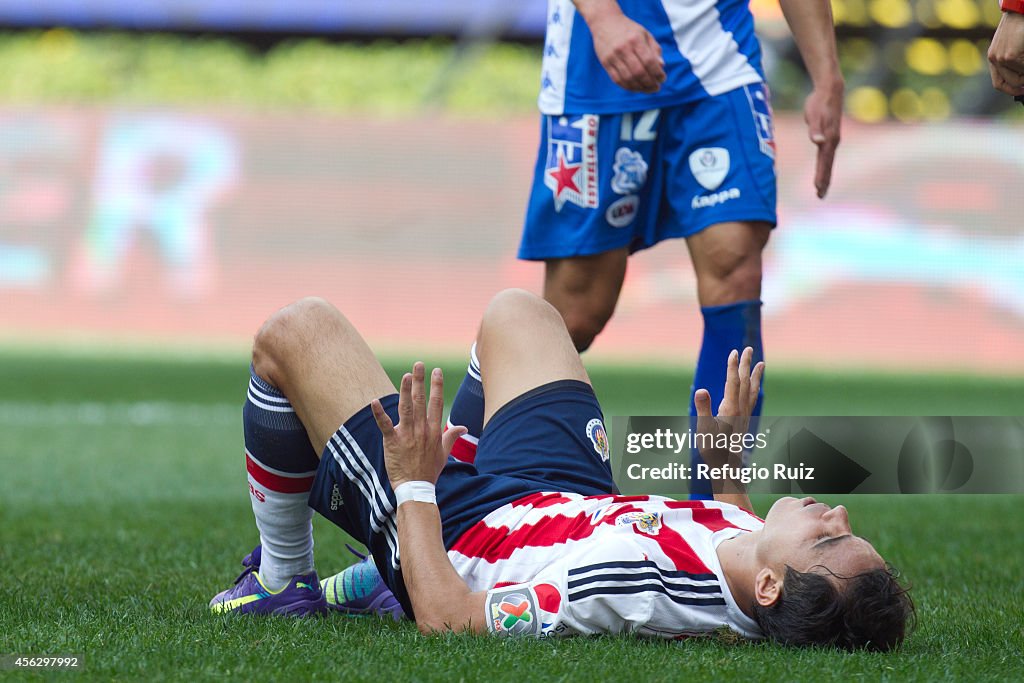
x: 727, y: 260
x: 585, y: 290
x: 314, y: 355
x: 522, y: 344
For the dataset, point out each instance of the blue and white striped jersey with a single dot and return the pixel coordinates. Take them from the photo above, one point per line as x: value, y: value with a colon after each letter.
x: 709, y: 48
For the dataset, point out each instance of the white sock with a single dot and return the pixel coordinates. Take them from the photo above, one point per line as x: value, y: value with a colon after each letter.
x: 285, y: 522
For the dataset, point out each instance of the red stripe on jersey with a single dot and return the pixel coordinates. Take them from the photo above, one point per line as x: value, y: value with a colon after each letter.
x: 499, y: 543
x: 541, y: 500
x: 276, y: 482
x: 548, y: 597
x: 684, y: 504
x: 713, y: 519
x: 464, y: 450
x: 678, y: 550
x: 713, y: 514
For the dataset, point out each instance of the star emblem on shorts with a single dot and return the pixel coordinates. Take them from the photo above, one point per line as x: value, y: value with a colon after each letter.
x: 564, y: 175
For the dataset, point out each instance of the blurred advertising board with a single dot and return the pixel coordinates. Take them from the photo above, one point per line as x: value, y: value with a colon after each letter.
x: 170, y: 226
x: 386, y: 17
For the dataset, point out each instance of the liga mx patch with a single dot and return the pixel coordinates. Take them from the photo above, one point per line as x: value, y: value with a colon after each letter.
x: 761, y: 109
x: 598, y: 438
x: 513, y: 612
x: 570, y: 171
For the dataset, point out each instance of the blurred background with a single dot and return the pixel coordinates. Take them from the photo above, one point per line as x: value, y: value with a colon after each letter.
x: 172, y: 172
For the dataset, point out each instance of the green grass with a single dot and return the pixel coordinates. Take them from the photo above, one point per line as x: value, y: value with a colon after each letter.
x: 123, y: 508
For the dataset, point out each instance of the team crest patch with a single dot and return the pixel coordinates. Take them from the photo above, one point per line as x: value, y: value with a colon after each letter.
x: 710, y: 165
x: 630, y: 171
x: 570, y: 171
x: 598, y: 438
x: 645, y: 522
x: 761, y: 109
x: 513, y: 612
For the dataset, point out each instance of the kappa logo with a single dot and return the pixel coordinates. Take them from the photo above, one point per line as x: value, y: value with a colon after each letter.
x: 715, y: 198
x: 710, y: 165
x: 336, y: 499
x: 622, y: 211
x: 630, y: 171
x: 645, y: 522
x: 571, y: 166
x: 598, y: 438
x: 761, y: 109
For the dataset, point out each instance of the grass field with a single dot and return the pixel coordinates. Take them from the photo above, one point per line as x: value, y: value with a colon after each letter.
x: 123, y: 508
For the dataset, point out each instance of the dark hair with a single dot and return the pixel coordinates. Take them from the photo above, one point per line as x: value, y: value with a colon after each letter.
x: 872, y: 611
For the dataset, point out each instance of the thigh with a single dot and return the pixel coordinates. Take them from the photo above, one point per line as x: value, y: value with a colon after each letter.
x: 593, y: 185
x: 523, y: 344
x: 720, y: 159
x: 551, y: 438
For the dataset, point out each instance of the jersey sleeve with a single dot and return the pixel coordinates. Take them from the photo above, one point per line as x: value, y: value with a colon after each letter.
x: 585, y: 592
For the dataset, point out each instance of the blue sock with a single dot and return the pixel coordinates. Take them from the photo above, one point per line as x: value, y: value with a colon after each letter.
x: 728, y: 327
x: 468, y: 410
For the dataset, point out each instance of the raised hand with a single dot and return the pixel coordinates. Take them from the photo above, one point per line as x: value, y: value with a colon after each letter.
x: 741, y: 389
x: 417, y: 448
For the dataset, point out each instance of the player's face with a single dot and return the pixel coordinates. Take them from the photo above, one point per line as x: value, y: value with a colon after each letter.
x: 811, y: 536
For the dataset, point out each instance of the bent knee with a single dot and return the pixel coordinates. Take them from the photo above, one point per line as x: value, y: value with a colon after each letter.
x: 516, y: 306
x: 584, y: 326
x: 288, y: 331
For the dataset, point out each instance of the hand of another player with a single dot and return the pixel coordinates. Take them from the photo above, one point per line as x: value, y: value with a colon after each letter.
x: 742, y: 386
x: 417, y: 448
x: 627, y: 51
x: 823, y: 112
x: 1006, y: 55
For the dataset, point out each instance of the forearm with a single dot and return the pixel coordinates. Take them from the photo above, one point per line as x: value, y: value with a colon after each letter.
x: 595, y: 9
x: 440, y: 598
x: 733, y: 493
x: 810, y: 21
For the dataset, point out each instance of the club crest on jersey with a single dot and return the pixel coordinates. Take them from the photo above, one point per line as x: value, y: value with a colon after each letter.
x: 513, y: 613
x: 645, y: 522
x: 630, y: 171
x: 761, y: 109
x: 598, y: 438
x: 570, y: 171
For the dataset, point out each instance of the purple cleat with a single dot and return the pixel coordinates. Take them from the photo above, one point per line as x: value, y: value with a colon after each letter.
x: 301, y: 597
x: 359, y: 589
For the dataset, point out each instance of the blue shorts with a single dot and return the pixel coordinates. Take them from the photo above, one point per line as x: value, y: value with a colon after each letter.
x: 551, y: 438
x: 608, y: 181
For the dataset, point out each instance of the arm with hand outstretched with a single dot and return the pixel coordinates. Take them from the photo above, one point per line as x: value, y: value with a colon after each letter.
x: 741, y: 389
x: 416, y: 450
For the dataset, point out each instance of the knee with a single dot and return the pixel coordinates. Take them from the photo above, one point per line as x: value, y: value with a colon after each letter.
x: 584, y: 324
x: 286, y: 333
x: 734, y: 271
x: 516, y: 307
x: 515, y: 312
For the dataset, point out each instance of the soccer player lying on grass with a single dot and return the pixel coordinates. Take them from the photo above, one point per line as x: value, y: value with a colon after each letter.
x: 530, y: 539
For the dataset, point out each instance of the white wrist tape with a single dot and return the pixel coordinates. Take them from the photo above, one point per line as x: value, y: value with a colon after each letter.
x: 419, y: 491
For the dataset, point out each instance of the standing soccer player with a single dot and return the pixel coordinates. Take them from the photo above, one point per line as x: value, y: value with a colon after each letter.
x: 656, y: 124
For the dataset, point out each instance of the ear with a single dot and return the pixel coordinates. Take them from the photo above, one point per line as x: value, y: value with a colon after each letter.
x: 767, y: 587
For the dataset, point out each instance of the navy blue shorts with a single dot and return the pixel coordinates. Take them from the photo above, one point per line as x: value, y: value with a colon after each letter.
x: 634, y: 179
x: 551, y: 438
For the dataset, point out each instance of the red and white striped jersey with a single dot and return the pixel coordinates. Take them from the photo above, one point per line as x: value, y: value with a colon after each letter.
x: 561, y: 564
